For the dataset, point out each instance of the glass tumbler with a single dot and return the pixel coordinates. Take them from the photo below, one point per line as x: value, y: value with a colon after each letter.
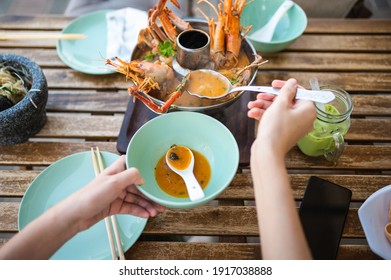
x: 330, y: 127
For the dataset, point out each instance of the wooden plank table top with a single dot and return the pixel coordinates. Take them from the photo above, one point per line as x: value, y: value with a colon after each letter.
x: 87, y: 110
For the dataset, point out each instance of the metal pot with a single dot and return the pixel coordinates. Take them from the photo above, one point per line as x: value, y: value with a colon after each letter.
x: 209, y: 106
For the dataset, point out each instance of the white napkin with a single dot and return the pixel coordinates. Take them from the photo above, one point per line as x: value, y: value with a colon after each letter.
x: 123, y: 27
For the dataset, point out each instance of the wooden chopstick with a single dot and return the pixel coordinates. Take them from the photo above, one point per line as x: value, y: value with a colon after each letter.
x: 43, y: 36
x: 109, y: 222
x: 112, y: 218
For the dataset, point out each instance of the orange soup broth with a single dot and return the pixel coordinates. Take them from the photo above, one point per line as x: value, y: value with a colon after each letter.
x: 206, y: 84
x: 173, y: 184
x: 182, y: 159
x: 192, y: 101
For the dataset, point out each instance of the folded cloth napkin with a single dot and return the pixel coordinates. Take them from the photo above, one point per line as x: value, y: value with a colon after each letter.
x: 123, y: 27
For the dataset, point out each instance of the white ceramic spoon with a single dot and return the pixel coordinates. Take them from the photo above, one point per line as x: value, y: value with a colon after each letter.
x: 265, y: 34
x: 194, y: 189
x: 320, y: 96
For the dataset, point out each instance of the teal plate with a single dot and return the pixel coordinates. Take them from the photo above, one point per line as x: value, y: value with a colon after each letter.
x: 58, y: 181
x: 86, y: 55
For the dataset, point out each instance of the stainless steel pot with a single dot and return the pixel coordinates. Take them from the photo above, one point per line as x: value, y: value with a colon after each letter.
x: 209, y: 106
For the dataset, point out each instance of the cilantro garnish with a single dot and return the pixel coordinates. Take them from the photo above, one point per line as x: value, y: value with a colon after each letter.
x: 234, y: 80
x: 149, y: 57
x: 166, y: 48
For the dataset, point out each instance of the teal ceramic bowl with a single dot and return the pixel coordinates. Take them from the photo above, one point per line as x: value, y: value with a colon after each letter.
x: 290, y: 27
x: 194, y: 130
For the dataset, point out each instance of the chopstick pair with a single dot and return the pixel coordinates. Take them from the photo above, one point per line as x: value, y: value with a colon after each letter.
x: 110, y: 222
x: 42, y: 36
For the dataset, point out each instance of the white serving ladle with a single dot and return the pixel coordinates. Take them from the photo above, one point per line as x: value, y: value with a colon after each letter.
x: 194, y: 189
x: 265, y: 34
x: 320, y: 96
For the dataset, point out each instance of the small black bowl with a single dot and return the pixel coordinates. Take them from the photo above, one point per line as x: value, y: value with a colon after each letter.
x: 24, y: 119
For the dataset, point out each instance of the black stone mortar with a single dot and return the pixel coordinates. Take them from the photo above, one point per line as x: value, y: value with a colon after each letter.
x: 24, y: 119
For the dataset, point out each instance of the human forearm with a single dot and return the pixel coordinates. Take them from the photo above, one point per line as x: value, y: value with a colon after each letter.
x: 283, y: 121
x: 280, y: 228
x: 113, y: 192
x: 41, y: 238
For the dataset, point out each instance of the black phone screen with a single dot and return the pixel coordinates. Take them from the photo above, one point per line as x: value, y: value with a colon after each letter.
x: 323, y: 212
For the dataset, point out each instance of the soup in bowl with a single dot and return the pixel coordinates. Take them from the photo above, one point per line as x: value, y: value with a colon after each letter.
x: 199, y: 133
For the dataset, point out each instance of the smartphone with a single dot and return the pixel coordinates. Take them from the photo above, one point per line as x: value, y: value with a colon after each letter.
x: 323, y: 211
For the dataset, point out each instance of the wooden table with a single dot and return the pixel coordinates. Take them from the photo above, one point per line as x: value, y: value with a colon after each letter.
x: 86, y: 110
